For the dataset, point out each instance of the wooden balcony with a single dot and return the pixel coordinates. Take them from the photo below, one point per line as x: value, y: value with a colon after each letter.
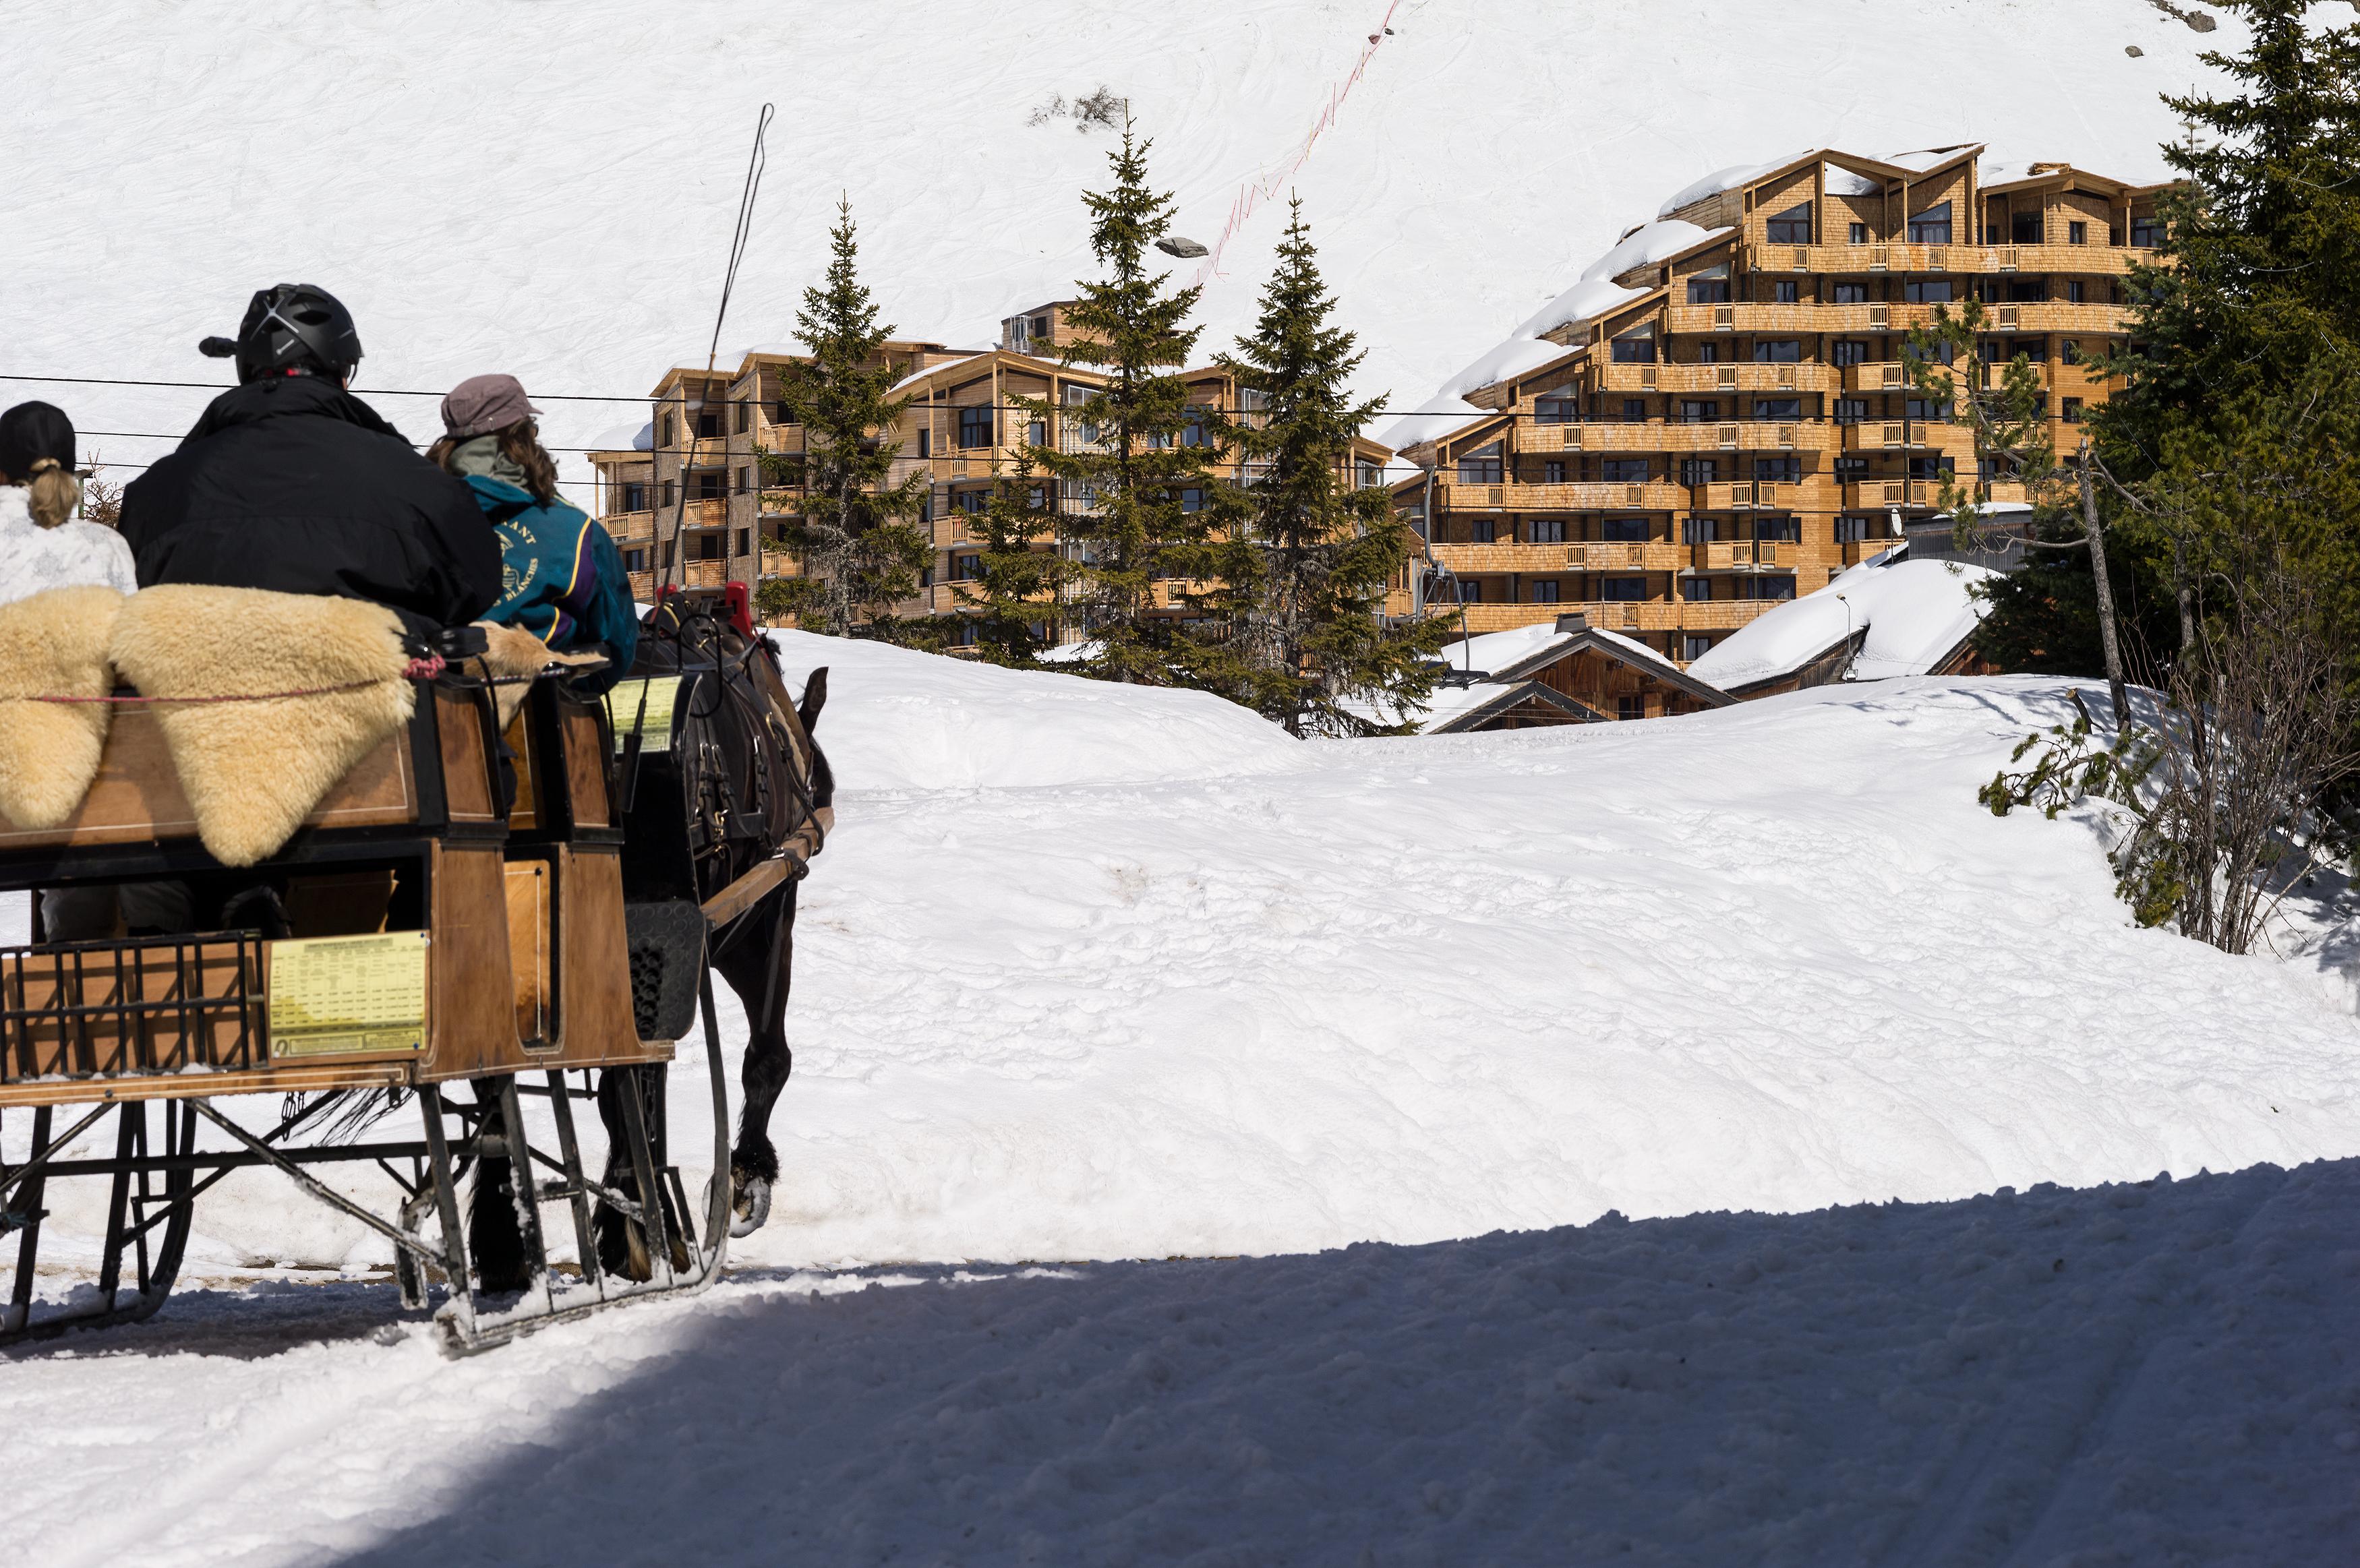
x: 1876, y: 375
x: 1451, y: 494
x: 634, y: 528
x: 1720, y: 378
x: 1616, y: 615
x: 1911, y: 435
x: 1890, y: 492
x: 1951, y: 258
x: 1553, y: 560
x: 1731, y: 435
x: 1744, y: 555
x: 1800, y: 320
x: 2058, y: 316
x: 1747, y: 494
x: 1857, y: 550
x: 710, y: 513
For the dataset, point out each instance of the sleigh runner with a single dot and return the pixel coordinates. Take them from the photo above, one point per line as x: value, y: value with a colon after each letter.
x: 463, y: 904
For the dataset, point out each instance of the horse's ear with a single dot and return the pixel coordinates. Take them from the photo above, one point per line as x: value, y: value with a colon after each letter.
x: 814, y: 699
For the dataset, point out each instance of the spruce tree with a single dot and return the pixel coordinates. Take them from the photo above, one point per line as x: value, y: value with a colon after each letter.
x: 1303, y: 582
x: 1141, y: 494
x: 858, y: 543
x: 1012, y: 599
x: 2242, y: 371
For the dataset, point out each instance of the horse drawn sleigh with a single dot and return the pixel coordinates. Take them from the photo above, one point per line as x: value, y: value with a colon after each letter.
x: 508, y: 907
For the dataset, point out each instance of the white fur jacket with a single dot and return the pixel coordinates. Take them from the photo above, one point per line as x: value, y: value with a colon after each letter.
x: 73, y: 555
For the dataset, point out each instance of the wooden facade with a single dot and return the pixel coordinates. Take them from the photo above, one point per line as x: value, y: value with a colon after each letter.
x: 1741, y: 428
x: 698, y: 486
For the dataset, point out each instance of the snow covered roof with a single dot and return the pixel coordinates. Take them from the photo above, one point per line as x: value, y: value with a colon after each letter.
x: 639, y: 437
x: 1503, y: 664
x: 1915, y: 612
x: 1722, y: 179
x: 916, y: 375
x: 1842, y: 181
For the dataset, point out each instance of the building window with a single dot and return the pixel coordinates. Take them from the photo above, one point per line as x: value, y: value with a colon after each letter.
x: 975, y: 427
x: 745, y: 478
x: 1858, y: 234
x: 1766, y: 588
x: 709, y: 546
x: 1699, y: 411
x: 1777, y: 408
x: 1545, y: 592
x: 925, y: 442
x: 2069, y: 352
x: 2069, y: 411
x: 635, y: 560
x: 1932, y: 409
x: 1552, y: 471
x: 782, y: 414
x: 745, y: 417
x: 2147, y: 234
x: 1625, y: 530
x: 1707, y: 291
x: 665, y: 492
x: 635, y: 497
x: 2076, y: 292
x: 1634, y: 410
x: 1707, y: 354
x: 1696, y: 530
x: 2028, y: 290
x: 1786, y: 291
x: 1851, y: 293
x: 1696, y: 590
x: 1851, y: 410
x: 1931, y: 470
x: 1698, y: 470
x: 971, y: 502
x: 1778, y: 351
x: 712, y: 483
x: 1479, y: 530
x: 1629, y: 708
x: 1851, y: 470
x: 1788, y: 470
x: 2076, y: 232
x: 1693, y: 648
x: 707, y: 426
x: 1622, y: 590
x: 744, y: 542
x: 1547, y: 530
x: 1850, y: 531
x: 1626, y: 470
x: 1778, y: 529
x: 1638, y: 348
x: 2024, y: 228
x: 1481, y: 466
x: 1558, y: 410
x: 1192, y: 499
x: 1036, y: 498
x: 967, y: 568
x: 1848, y: 351
x: 1931, y: 226
x: 1926, y: 291
x: 1792, y: 226
x: 1193, y: 433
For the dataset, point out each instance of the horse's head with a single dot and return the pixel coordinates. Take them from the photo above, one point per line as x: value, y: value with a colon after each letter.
x: 814, y: 699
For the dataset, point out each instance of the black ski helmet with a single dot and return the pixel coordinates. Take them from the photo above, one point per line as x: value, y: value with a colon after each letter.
x: 293, y: 327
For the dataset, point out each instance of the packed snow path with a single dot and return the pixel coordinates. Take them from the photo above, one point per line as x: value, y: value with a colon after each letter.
x: 2165, y: 1372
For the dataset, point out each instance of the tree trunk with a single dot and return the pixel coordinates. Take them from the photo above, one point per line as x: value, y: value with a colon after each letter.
x: 2106, y: 635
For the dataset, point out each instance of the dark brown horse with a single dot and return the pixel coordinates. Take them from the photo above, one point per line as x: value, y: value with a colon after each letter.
x: 726, y: 798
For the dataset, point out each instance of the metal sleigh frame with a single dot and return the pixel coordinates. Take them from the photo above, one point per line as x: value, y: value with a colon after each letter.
x: 156, y: 1002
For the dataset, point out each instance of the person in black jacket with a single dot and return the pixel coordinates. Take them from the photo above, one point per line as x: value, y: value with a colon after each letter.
x: 290, y: 483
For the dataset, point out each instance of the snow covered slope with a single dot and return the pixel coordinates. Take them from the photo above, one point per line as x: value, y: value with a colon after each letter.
x: 1066, y: 991
x: 549, y: 189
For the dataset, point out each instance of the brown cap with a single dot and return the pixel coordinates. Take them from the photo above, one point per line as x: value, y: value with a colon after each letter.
x: 485, y: 403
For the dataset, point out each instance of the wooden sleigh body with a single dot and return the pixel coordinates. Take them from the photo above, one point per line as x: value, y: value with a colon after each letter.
x: 417, y: 929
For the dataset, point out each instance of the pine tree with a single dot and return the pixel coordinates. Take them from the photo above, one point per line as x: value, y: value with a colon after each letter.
x: 2242, y: 373
x: 1305, y: 579
x: 1142, y: 497
x: 857, y: 543
x: 1012, y: 601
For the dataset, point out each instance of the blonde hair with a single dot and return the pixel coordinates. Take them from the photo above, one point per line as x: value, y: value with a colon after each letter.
x: 55, y: 492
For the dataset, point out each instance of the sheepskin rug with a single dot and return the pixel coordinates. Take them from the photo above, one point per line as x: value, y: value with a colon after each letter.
x: 254, y: 770
x: 53, y: 644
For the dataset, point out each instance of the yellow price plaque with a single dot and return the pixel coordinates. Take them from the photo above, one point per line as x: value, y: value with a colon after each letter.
x: 623, y: 707
x: 348, y: 995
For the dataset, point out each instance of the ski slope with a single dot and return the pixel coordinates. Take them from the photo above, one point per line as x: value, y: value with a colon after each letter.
x: 549, y: 190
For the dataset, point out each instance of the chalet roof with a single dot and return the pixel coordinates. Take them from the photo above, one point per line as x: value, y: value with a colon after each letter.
x: 1524, y: 651
x: 1910, y: 166
x: 1913, y: 615
x: 2004, y: 177
x: 1455, y: 710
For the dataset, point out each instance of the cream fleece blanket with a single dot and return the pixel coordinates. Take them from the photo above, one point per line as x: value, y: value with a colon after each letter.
x: 254, y: 770
x: 53, y: 644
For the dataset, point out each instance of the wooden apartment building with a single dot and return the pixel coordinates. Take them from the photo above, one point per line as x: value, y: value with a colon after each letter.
x: 965, y: 428
x: 1730, y: 422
